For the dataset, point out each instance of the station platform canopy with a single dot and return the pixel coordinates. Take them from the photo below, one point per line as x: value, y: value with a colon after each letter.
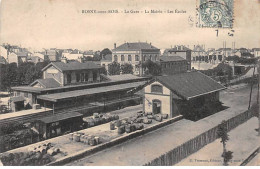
x: 89, y: 92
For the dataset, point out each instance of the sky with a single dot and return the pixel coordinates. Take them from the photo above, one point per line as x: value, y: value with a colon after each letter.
x: 38, y: 24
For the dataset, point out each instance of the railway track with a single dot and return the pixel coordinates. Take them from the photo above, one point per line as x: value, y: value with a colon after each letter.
x: 250, y: 157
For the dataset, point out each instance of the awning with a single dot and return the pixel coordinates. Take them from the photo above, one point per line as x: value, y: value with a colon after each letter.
x: 88, y: 92
x: 60, y: 117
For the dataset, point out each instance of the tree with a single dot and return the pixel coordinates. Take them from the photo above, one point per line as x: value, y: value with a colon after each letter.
x: 152, y: 68
x: 114, y: 68
x: 105, y: 52
x: 223, y: 135
x: 127, y: 68
x: 103, y: 71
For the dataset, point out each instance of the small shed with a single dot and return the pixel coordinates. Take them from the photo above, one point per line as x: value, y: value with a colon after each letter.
x: 17, y: 103
x: 58, y: 124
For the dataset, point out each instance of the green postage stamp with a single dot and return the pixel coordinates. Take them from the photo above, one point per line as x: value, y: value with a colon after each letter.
x: 215, y: 13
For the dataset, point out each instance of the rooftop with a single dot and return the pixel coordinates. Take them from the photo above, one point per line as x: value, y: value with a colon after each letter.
x: 171, y: 58
x: 134, y: 46
x: 46, y: 83
x: 178, y: 49
x: 77, y: 93
x: 72, y: 65
x: 22, y: 54
x: 191, y: 84
x: 112, y: 80
x: 60, y: 117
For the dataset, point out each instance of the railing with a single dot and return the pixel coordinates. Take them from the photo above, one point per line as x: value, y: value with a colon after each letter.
x: 177, y: 154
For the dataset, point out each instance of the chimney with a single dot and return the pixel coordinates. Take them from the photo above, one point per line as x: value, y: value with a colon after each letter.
x: 64, y: 60
x: 114, y: 45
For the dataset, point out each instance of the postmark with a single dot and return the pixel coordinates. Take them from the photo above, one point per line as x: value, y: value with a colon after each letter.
x: 215, y: 13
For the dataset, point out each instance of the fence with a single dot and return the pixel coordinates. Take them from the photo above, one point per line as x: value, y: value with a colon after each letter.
x: 177, y: 154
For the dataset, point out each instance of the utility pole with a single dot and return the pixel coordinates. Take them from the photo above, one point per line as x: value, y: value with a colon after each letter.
x: 252, y: 81
x: 258, y: 69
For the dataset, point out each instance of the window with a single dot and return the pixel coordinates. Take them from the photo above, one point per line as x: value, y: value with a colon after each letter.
x: 129, y: 58
x: 94, y: 76
x: 122, y: 58
x: 150, y: 57
x: 115, y: 58
x: 77, y: 77
x: 144, y: 57
x: 136, y: 57
x: 82, y: 77
x: 156, y: 57
x: 156, y: 89
x: 26, y: 94
x: 86, y: 77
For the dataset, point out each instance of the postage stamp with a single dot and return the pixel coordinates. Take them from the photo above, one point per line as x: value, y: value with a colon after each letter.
x: 215, y: 13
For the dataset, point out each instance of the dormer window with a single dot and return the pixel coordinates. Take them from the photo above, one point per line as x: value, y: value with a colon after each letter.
x: 156, y: 89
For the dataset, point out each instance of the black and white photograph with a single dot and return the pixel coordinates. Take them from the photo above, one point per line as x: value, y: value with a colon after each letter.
x: 129, y: 83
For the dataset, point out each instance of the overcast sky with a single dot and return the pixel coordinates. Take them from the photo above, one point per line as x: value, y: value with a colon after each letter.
x: 61, y: 24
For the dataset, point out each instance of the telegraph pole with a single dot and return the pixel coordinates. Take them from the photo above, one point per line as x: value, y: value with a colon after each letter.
x: 258, y: 70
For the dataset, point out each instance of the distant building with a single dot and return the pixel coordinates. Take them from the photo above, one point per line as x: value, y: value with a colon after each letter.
x: 51, y: 55
x: 135, y: 54
x: 199, y: 54
x: 106, y: 60
x: 181, y: 51
x: 173, y: 64
x: 39, y: 54
x: 89, y: 53
x: 75, y: 54
x: 35, y: 59
x: 256, y: 52
x: 18, y: 58
x: 223, y: 53
x: 169, y: 94
x: 4, y: 52
x: 2, y: 60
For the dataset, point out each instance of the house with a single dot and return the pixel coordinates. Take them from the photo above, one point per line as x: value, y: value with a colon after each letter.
x: 223, y: 53
x: 256, y: 52
x: 39, y: 54
x: 4, y: 52
x: 18, y: 58
x: 2, y: 60
x: 66, y: 52
x: 173, y: 64
x: 181, y: 51
x: 51, y: 55
x: 135, y: 54
x: 35, y: 59
x: 170, y: 94
x: 68, y: 72
x: 199, y: 54
x: 89, y: 53
x: 75, y: 54
x: 106, y: 60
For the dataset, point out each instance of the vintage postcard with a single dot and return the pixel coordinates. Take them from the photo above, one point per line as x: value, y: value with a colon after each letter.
x: 129, y: 82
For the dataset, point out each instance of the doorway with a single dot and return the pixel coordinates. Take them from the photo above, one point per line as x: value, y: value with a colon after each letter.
x: 156, y: 106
